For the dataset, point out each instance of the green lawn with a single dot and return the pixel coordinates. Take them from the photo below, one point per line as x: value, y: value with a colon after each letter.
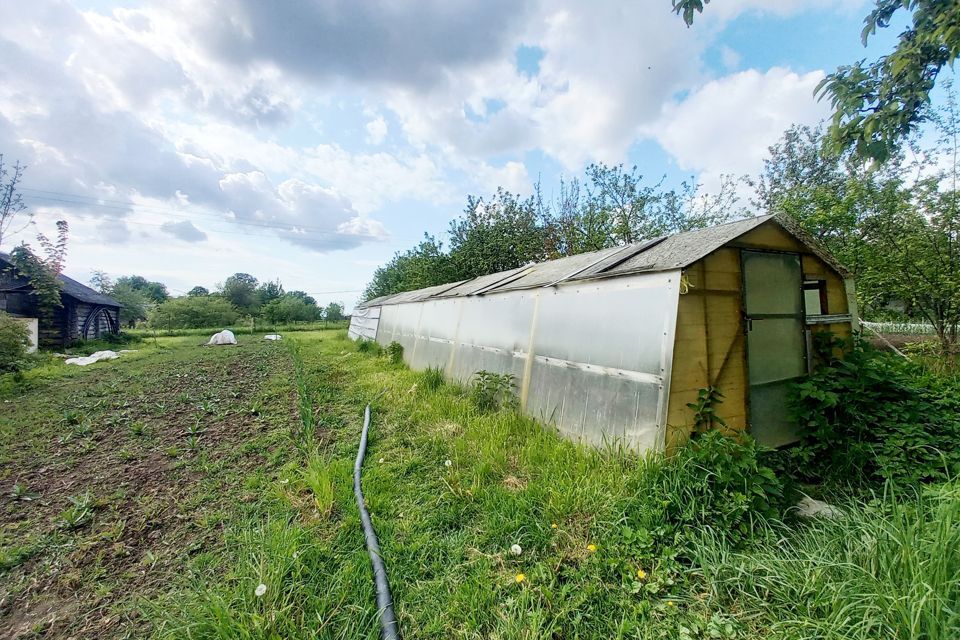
x: 179, y: 530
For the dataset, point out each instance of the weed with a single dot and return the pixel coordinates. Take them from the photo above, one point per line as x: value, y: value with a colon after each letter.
x: 493, y: 391
x: 369, y: 346
x: 22, y: 493
x: 704, y: 409
x: 432, y: 378
x: 395, y: 352
x: 172, y: 452
x: 71, y: 417
x: 138, y: 428
x: 317, y: 477
x: 79, y: 513
x: 193, y: 442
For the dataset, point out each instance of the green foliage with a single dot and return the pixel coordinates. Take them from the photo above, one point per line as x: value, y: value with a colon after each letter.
x: 45, y: 287
x: 705, y: 409
x: 198, y: 291
x: 886, y: 569
x: 11, y: 200
x: 291, y: 308
x: 395, y: 352
x: 432, y: 378
x: 878, y: 104
x: 319, y: 481
x: 333, y: 312
x: 493, y: 391
x: 369, y: 346
x: 154, y: 292
x: 241, y: 291
x: 720, y: 482
x: 135, y: 302
x: 79, y: 513
x: 868, y: 418
x: 14, y: 341
x: 182, y: 313
x: 304, y: 435
x: 611, y: 206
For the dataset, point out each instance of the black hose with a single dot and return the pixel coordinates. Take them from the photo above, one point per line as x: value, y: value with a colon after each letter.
x: 389, y: 630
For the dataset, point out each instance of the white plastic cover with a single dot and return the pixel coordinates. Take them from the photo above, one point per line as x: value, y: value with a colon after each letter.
x: 93, y: 357
x: 224, y: 337
x: 592, y: 357
x: 273, y: 336
x: 363, y: 323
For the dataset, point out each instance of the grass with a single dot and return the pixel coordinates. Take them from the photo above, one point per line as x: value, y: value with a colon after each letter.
x: 612, y: 545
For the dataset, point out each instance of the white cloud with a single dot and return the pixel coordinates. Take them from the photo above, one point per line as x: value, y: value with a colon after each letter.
x: 183, y: 230
x: 376, y: 130
x: 726, y: 126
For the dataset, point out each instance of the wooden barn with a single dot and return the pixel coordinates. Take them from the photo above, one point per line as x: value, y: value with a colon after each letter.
x: 85, y: 314
x: 614, y: 346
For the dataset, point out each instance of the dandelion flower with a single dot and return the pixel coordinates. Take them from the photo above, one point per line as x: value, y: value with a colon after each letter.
x: 553, y: 526
x: 641, y: 574
x: 447, y: 463
x: 516, y: 550
x: 261, y: 589
x: 591, y: 548
x: 670, y: 603
x: 520, y: 578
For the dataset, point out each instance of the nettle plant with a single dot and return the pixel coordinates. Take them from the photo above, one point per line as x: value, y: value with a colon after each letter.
x: 870, y: 415
x: 493, y: 391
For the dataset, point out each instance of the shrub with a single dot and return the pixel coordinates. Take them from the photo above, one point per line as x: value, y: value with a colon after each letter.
x: 14, y: 341
x: 395, y: 352
x: 493, y: 391
x: 721, y: 482
x: 185, y: 313
x: 867, y: 416
x: 369, y: 346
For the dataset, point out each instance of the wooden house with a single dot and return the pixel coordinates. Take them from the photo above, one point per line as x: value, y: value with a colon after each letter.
x: 614, y: 346
x: 84, y: 313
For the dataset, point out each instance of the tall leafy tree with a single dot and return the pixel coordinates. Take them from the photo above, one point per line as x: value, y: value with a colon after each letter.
x: 156, y: 292
x: 240, y: 290
x: 198, y: 291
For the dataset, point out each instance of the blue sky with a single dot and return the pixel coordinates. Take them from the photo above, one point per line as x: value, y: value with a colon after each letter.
x: 310, y: 141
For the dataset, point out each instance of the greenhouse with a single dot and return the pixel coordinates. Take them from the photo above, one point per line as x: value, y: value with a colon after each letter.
x: 614, y: 347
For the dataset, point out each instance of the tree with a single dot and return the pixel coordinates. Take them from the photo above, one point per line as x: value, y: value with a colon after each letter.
x: 101, y: 281
x: 11, y: 201
x: 191, y: 313
x: 302, y: 295
x: 14, y: 341
x: 878, y: 104
x: 42, y: 272
x: 135, y: 303
x: 423, y: 266
x: 333, y: 312
x: 198, y: 291
x: 240, y: 290
x: 156, y: 292
x: 269, y: 291
x: 291, y: 308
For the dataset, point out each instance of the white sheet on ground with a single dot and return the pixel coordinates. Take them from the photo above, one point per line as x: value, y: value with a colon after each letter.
x: 224, y: 337
x: 93, y: 357
x: 273, y: 336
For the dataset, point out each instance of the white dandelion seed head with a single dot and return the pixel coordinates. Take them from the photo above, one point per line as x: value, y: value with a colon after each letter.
x: 260, y: 590
x: 516, y: 550
x: 380, y: 460
x: 447, y: 463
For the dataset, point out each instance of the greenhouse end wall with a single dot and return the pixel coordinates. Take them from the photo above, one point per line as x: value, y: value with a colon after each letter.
x: 592, y: 357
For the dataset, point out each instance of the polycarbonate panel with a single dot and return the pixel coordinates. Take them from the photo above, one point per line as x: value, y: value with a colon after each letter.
x: 612, y: 323
x: 773, y: 283
x: 776, y: 350
x: 601, y: 350
x: 363, y: 323
x: 769, y: 423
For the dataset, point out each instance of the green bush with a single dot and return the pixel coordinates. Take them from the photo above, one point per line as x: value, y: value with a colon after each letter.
x: 869, y: 417
x: 493, y: 391
x: 200, y: 311
x: 369, y: 346
x: 395, y: 352
x: 14, y: 341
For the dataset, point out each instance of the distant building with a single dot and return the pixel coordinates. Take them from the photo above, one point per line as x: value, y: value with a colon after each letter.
x: 84, y: 315
x: 615, y: 346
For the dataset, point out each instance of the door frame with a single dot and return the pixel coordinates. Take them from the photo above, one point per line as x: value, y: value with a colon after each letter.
x: 744, y: 323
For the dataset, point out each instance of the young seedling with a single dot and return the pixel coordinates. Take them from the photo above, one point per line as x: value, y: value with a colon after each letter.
x: 79, y: 513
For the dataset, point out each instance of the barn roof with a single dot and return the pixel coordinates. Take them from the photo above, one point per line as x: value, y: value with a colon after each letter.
x: 68, y: 286
x: 665, y: 253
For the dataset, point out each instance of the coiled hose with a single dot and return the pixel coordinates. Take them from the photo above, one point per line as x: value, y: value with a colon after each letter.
x: 389, y: 629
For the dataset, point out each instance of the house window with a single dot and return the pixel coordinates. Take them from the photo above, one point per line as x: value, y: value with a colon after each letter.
x: 815, y: 297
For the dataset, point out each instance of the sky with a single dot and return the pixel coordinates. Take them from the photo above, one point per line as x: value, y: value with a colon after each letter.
x: 309, y: 140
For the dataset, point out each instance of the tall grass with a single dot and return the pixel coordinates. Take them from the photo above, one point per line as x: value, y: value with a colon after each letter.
x: 890, y: 569
x: 317, y: 477
x: 305, y: 436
